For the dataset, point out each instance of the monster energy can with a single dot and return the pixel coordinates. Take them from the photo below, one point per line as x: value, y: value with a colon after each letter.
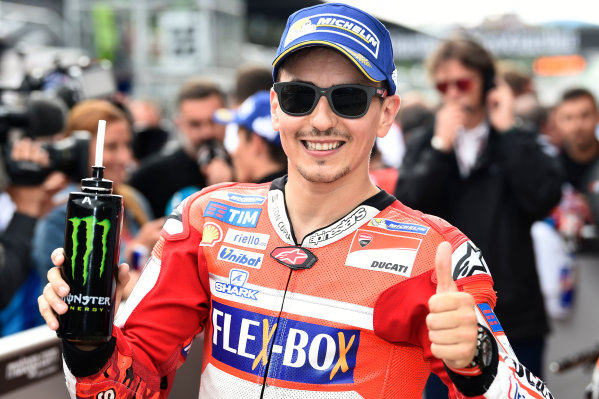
x: 91, y: 245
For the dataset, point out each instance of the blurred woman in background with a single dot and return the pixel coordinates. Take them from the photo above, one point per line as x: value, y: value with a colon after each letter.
x: 139, y: 231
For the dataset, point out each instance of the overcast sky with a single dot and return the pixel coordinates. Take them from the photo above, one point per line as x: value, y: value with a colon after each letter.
x: 423, y: 13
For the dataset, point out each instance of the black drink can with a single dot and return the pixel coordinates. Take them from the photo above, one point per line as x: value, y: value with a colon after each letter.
x: 91, y: 245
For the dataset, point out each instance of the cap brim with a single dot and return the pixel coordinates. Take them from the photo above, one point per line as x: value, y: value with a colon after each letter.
x: 370, y: 71
x: 224, y: 116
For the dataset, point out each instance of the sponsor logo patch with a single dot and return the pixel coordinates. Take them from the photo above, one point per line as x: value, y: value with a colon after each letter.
x: 237, y: 280
x: 294, y: 257
x: 398, y: 226
x: 338, y: 228
x: 467, y: 261
x: 241, y: 217
x: 490, y: 317
x: 240, y: 198
x: 386, y: 252
x: 211, y: 235
x: 247, y: 239
x: 240, y: 257
x: 276, y: 212
x: 364, y: 239
x: 299, y: 351
x: 527, y: 379
x: 486, y: 317
x: 346, y: 27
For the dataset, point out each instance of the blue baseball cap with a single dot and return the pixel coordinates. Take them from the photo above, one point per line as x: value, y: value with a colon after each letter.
x: 254, y: 115
x: 356, y: 34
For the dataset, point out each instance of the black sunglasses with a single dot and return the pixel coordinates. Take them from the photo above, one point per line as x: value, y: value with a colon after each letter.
x: 347, y: 101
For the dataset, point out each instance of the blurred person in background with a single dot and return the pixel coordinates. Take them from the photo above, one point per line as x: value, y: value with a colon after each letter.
x: 478, y: 171
x: 414, y: 118
x: 249, y: 80
x: 149, y: 136
x: 19, y: 283
x: 258, y: 156
x: 139, y: 232
x: 200, y: 160
x: 576, y: 118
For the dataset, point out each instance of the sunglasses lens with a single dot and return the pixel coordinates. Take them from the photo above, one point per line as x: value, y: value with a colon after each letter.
x: 442, y: 87
x: 297, y: 99
x: 462, y: 84
x: 350, y: 101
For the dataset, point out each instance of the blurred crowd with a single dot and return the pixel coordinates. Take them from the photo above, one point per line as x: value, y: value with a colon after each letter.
x: 518, y: 177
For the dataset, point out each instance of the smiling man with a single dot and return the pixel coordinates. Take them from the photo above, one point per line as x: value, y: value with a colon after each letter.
x: 319, y: 284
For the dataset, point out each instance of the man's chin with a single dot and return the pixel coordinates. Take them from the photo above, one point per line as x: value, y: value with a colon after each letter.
x: 323, y: 176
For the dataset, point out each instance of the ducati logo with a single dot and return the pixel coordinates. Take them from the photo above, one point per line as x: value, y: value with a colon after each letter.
x: 364, y: 239
x: 294, y: 257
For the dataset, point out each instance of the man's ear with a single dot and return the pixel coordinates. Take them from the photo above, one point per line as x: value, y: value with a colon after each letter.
x: 389, y: 110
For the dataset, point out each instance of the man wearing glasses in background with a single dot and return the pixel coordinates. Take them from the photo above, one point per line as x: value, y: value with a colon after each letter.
x: 319, y: 284
x: 199, y: 160
x: 482, y: 174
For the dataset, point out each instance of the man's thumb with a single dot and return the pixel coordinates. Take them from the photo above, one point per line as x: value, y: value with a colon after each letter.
x: 445, y: 281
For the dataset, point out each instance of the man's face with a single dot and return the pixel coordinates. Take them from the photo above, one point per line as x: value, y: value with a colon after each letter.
x: 195, y: 121
x: 576, y: 120
x: 323, y: 147
x: 457, y: 83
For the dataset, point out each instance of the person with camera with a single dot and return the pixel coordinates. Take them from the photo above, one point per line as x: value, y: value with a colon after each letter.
x: 475, y: 168
x: 30, y: 203
x: 201, y: 159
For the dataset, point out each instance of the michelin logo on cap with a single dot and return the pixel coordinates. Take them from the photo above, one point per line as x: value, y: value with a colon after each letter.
x: 336, y: 24
x: 349, y: 30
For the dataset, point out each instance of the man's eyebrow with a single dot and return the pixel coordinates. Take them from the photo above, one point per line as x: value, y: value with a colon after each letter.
x: 294, y: 80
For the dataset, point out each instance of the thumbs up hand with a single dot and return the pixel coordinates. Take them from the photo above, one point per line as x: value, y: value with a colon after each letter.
x: 452, y: 323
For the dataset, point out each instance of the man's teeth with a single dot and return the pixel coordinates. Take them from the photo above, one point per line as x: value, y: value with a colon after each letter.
x: 322, y: 146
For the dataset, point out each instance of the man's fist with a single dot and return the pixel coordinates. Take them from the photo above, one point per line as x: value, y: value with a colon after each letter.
x: 452, y: 324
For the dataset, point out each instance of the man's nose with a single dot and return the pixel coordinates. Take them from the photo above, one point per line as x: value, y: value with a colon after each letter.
x: 323, y: 117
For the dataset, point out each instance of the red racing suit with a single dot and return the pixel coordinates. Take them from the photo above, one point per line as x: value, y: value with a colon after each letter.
x: 339, y: 315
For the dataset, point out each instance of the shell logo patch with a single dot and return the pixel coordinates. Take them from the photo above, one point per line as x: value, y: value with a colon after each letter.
x: 211, y: 234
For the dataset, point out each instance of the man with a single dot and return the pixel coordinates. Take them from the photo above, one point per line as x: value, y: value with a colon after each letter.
x: 300, y: 290
x: 489, y: 179
x: 258, y: 156
x: 194, y: 164
x: 576, y: 119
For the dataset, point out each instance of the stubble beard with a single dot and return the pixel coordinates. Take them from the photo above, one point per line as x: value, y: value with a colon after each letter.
x: 320, y: 176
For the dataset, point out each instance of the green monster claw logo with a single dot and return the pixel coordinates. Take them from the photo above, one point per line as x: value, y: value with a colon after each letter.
x: 90, y: 225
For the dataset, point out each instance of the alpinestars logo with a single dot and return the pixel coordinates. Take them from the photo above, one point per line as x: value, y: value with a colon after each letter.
x: 90, y: 223
x: 470, y: 261
x: 294, y: 257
